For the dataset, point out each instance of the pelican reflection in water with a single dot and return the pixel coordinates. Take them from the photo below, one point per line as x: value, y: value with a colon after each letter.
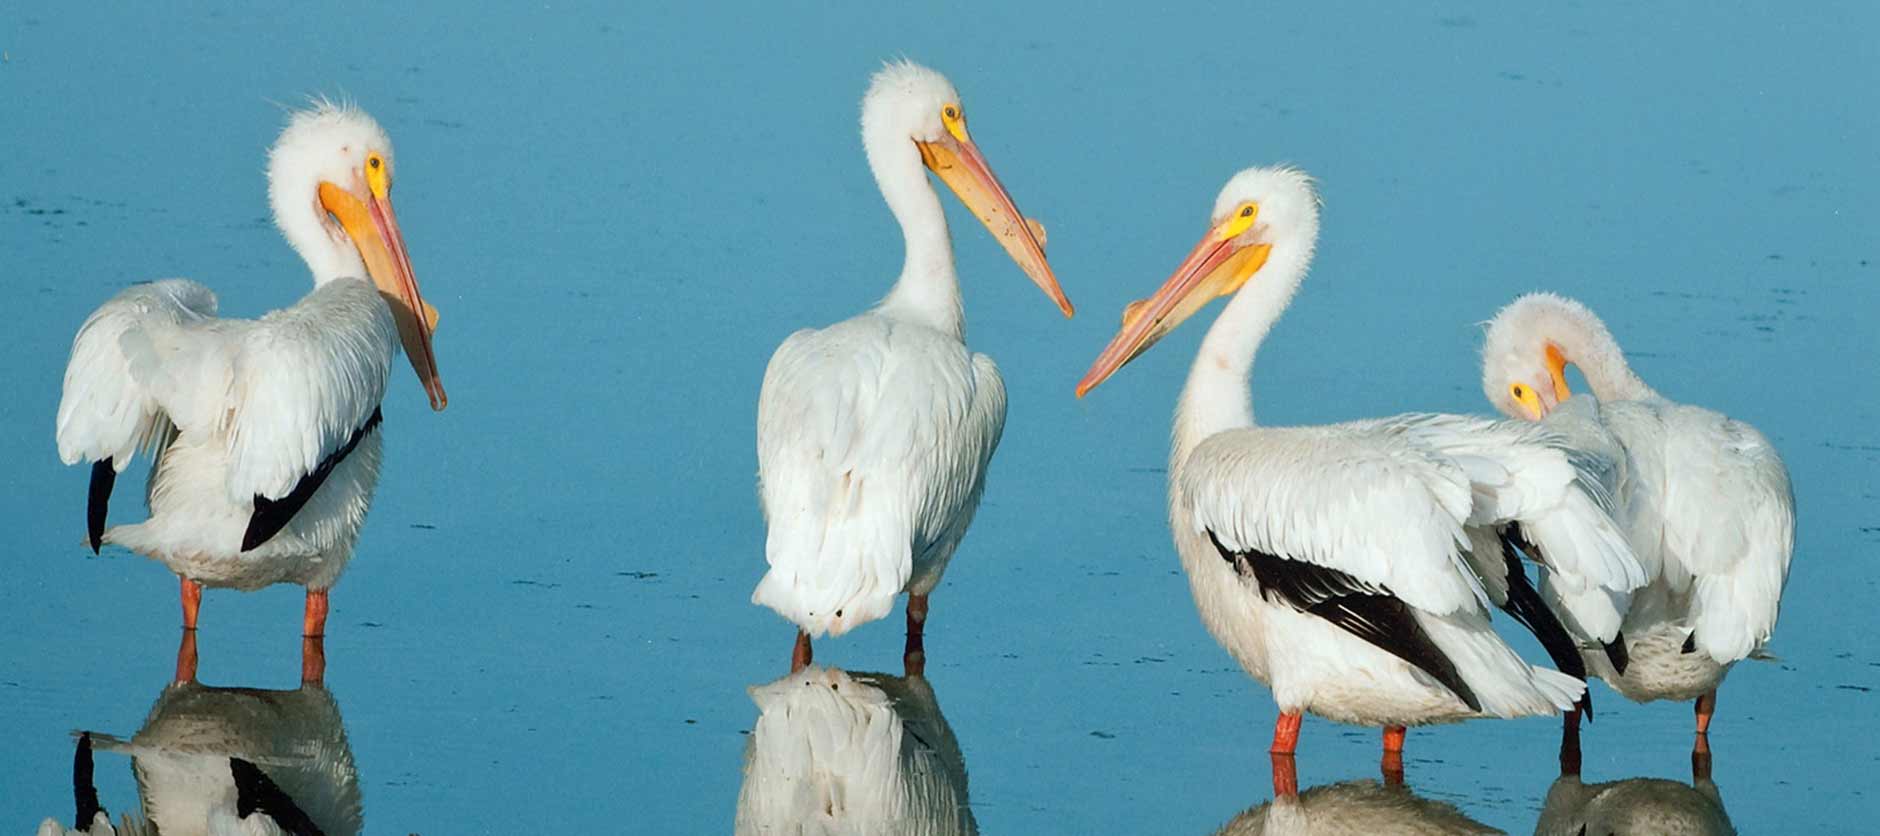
x: 839, y: 752
x: 214, y: 760
x: 1363, y: 806
x: 1635, y: 806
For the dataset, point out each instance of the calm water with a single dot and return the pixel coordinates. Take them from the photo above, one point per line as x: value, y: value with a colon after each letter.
x: 621, y: 213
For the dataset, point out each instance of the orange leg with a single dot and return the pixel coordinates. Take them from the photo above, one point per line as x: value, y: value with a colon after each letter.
x: 1700, y: 759
x: 1393, y: 755
x: 186, y: 658
x: 1570, y: 743
x: 312, y: 660
x: 1393, y: 738
x: 192, y: 603
x: 1285, y: 777
x: 1286, y: 733
x: 802, y: 655
x: 914, y: 658
x: 314, y: 624
x: 1706, y: 706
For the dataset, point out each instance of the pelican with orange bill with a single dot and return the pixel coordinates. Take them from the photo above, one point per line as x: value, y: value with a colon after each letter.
x: 873, y: 434
x: 265, y: 431
x: 1343, y: 565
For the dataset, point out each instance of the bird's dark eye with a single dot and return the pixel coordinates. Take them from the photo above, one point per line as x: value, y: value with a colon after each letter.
x: 374, y: 162
x: 1246, y: 211
x: 952, y: 113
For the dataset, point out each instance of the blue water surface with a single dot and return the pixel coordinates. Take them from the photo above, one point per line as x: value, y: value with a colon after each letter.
x: 621, y: 209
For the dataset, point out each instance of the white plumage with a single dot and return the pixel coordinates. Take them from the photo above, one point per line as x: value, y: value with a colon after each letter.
x: 1334, y: 562
x: 242, y: 411
x: 1705, y: 499
x: 897, y: 424
x: 873, y: 434
x: 840, y: 753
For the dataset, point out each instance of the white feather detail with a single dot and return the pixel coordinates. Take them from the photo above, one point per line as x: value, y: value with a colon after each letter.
x: 873, y: 437
x: 106, y: 411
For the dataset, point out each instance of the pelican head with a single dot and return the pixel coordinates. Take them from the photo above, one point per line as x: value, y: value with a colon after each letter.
x: 1258, y: 211
x: 910, y: 107
x: 330, y: 184
x: 1523, y: 369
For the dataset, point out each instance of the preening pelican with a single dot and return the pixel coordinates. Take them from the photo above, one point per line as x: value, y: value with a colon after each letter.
x: 873, y: 434
x: 264, y: 431
x: 836, y: 752
x: 1706, y: 502
x: 1333, y: 562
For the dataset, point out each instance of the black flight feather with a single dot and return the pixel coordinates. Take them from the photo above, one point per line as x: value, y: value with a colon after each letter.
x: 1525, y: 604
x: 1616, y: 652
x: 84, y: 789
x: 1365, y: 610
x: 255, y: 792
x: 103, y: 476
x: 272, y: 515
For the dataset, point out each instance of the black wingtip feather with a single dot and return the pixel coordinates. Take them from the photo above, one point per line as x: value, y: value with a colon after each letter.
x: 84, y: 789
x: 1527, y: 607
x: 272, y: 515
x: 255, y: 792
x: 1690, y: 643
x: 1617, y: 654
x: 1366, y: 611
x: 103, y: 477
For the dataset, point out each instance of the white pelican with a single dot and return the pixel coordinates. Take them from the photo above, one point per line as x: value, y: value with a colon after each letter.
x: 264, y: 431
x: 1332, y: 561
x: 873, y: 434
x: 835, y: 752
x: 1706, y: 503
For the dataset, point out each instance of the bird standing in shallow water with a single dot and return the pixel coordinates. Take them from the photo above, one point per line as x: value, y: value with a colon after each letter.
x: 873, y: 434
x: 1705, y: 499
x: 1333, y: 562
x: 264, y: 432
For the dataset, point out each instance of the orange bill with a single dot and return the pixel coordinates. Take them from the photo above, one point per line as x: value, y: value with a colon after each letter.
x: 956, y: 159
x: 1217, y: 266
x: 374, y: 229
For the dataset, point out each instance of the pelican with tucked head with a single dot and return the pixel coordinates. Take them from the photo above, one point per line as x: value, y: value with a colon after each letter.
x: 1335, y: 563
x: 1707, y: 502
x: 873, y: 434
x: 265, y: 431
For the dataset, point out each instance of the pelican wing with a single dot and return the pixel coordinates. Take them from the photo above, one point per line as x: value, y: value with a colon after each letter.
x: 303, y: 381
x: 290, y: 392
x: 1718, y: 498
x: 1346, y: 497
x: 113, y: 404
x: 872, y: 442
x: 1548, y: 489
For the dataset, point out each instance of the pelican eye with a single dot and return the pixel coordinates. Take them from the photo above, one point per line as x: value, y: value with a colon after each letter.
x: 373, y: 161
x: 952, y: 112
x: 1246, y: 211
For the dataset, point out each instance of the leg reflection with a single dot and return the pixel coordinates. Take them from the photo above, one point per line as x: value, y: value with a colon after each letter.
x: 186, y: 657
x: 312, y: 660
x: 192, y: 602
x: 1285, y: 776
x: 803, y: 654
